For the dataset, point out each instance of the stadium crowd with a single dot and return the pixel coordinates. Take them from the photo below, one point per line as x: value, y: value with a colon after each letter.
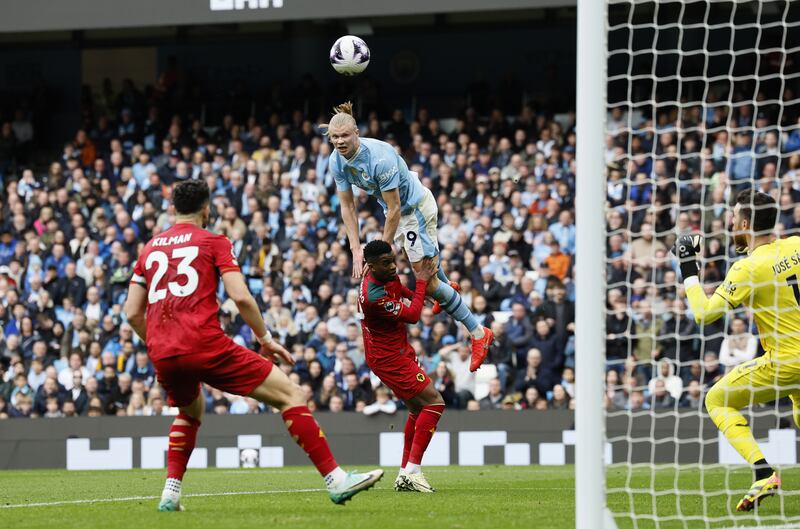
x: 505, y: 185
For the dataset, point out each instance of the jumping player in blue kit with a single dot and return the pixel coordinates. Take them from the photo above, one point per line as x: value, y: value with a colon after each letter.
x: 410, y: 208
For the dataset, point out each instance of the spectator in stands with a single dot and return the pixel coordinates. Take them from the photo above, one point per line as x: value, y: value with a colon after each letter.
x: 502, y: 355
x: 91, y: 387
x: 712, y: 369
x: 136, y: 405
x: 741, y: 161
x: 560, y: 399
x: 52, y: 408
x: 36, y: 375
x: 661, y: 398
x: 493, y: 401
x: 444, y: 384
x: 143, y: 370
x: 645, y: 246
x: 568, y: 381
x: 338, y: 324
x: 77, y: 394
x: 22, y: 407
x: 560, y: 315
x: 535, y: 374
x: 490, y: 289
x: 615, y: 394
x: 637, y: 402
x: 546, y: 341
x: 519, y: 331
x: 457, y: 358
x: 693, y: 397
x: 66, y: 375
x: 530, y: 399
x: 121, y: 394
x: 49, y: 389
x: 383, y: 403
x: 564, y: 232
x: 352, y: 392
x: 666, y: 374
x: 557, y: 262
x: 645, y: 329
x: 739, y: 346
x: 68, y: 408
x: 155, y: 406
x: 336, y: 405
x: 676, y: 339
x: 327, y: 390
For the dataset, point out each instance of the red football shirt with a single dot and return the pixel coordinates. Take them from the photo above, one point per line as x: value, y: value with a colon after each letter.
x: 386, y: 316
x: 180, y: 268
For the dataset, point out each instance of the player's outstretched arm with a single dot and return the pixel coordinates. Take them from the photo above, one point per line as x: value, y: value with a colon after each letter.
x: 705, y: 309
x: 248, y: 309
x: 427, y: 273
x: 135, y: 308
x: 350, y: 219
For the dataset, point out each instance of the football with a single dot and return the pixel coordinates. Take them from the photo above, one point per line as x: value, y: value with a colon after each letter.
x: 349, y: 55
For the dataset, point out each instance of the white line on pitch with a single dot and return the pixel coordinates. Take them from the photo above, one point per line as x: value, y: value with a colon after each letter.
x: 793, y: 526
x: 213, y: 494
x: 137, y: 498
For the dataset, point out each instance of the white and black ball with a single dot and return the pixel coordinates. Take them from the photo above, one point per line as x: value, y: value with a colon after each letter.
x: 349, y: 55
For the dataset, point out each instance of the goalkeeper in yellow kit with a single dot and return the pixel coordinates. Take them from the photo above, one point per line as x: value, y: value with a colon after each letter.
x: 766, y: 281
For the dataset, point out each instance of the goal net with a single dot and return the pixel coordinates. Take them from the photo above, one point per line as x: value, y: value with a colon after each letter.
x: 703, y: 100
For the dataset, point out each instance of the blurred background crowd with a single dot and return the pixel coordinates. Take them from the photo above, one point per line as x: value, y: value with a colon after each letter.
x: 73, y: 222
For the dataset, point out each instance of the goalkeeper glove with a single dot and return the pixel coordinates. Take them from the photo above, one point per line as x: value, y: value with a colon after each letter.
x: 686, y: 250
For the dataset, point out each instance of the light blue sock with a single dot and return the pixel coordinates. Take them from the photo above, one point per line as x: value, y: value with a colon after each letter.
x: 452, y: 304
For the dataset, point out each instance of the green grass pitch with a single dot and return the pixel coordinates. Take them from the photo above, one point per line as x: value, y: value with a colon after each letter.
x: 468, y: 497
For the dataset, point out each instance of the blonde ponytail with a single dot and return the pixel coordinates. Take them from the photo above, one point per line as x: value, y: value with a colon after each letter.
x: 342, y: 117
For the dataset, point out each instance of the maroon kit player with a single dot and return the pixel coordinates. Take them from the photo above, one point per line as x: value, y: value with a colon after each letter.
x: 172, y: 305
x: 391, y: 357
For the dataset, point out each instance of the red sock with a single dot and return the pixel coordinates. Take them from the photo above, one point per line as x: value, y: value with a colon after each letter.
x: 426, y: 425
x: 408, y: 432
x: 181, y: 446
x: 306, y: 432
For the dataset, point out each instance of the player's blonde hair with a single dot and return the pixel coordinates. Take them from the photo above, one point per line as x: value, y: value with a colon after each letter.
x: 342, y: 117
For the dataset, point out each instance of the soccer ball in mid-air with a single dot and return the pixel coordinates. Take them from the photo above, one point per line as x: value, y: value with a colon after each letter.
x: 349, y: 55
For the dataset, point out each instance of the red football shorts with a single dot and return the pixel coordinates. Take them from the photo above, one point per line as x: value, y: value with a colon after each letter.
x: 401, y: 373
x: 233, y: 369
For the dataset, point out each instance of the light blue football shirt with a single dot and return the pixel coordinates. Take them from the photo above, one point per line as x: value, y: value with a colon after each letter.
x: 375, y: 168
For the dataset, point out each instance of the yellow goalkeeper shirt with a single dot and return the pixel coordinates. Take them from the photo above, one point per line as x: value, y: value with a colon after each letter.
x: 767, y: 282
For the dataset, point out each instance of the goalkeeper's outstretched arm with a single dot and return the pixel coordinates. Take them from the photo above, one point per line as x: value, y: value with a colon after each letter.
x: 705, y: 309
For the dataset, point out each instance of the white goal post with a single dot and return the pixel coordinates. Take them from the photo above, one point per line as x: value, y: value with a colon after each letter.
x: 590, y: 264
x: 709, y: 90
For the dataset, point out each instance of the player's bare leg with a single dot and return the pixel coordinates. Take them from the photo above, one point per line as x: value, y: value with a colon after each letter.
x: 278, y: 391
x: 182, y: 437
x: 451, y: 302
x: 426, y: 408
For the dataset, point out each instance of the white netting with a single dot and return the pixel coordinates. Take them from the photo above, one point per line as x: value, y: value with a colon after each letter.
x: 704, y: 101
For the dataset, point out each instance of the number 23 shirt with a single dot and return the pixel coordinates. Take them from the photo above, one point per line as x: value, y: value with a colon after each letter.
x: 180, y: 270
